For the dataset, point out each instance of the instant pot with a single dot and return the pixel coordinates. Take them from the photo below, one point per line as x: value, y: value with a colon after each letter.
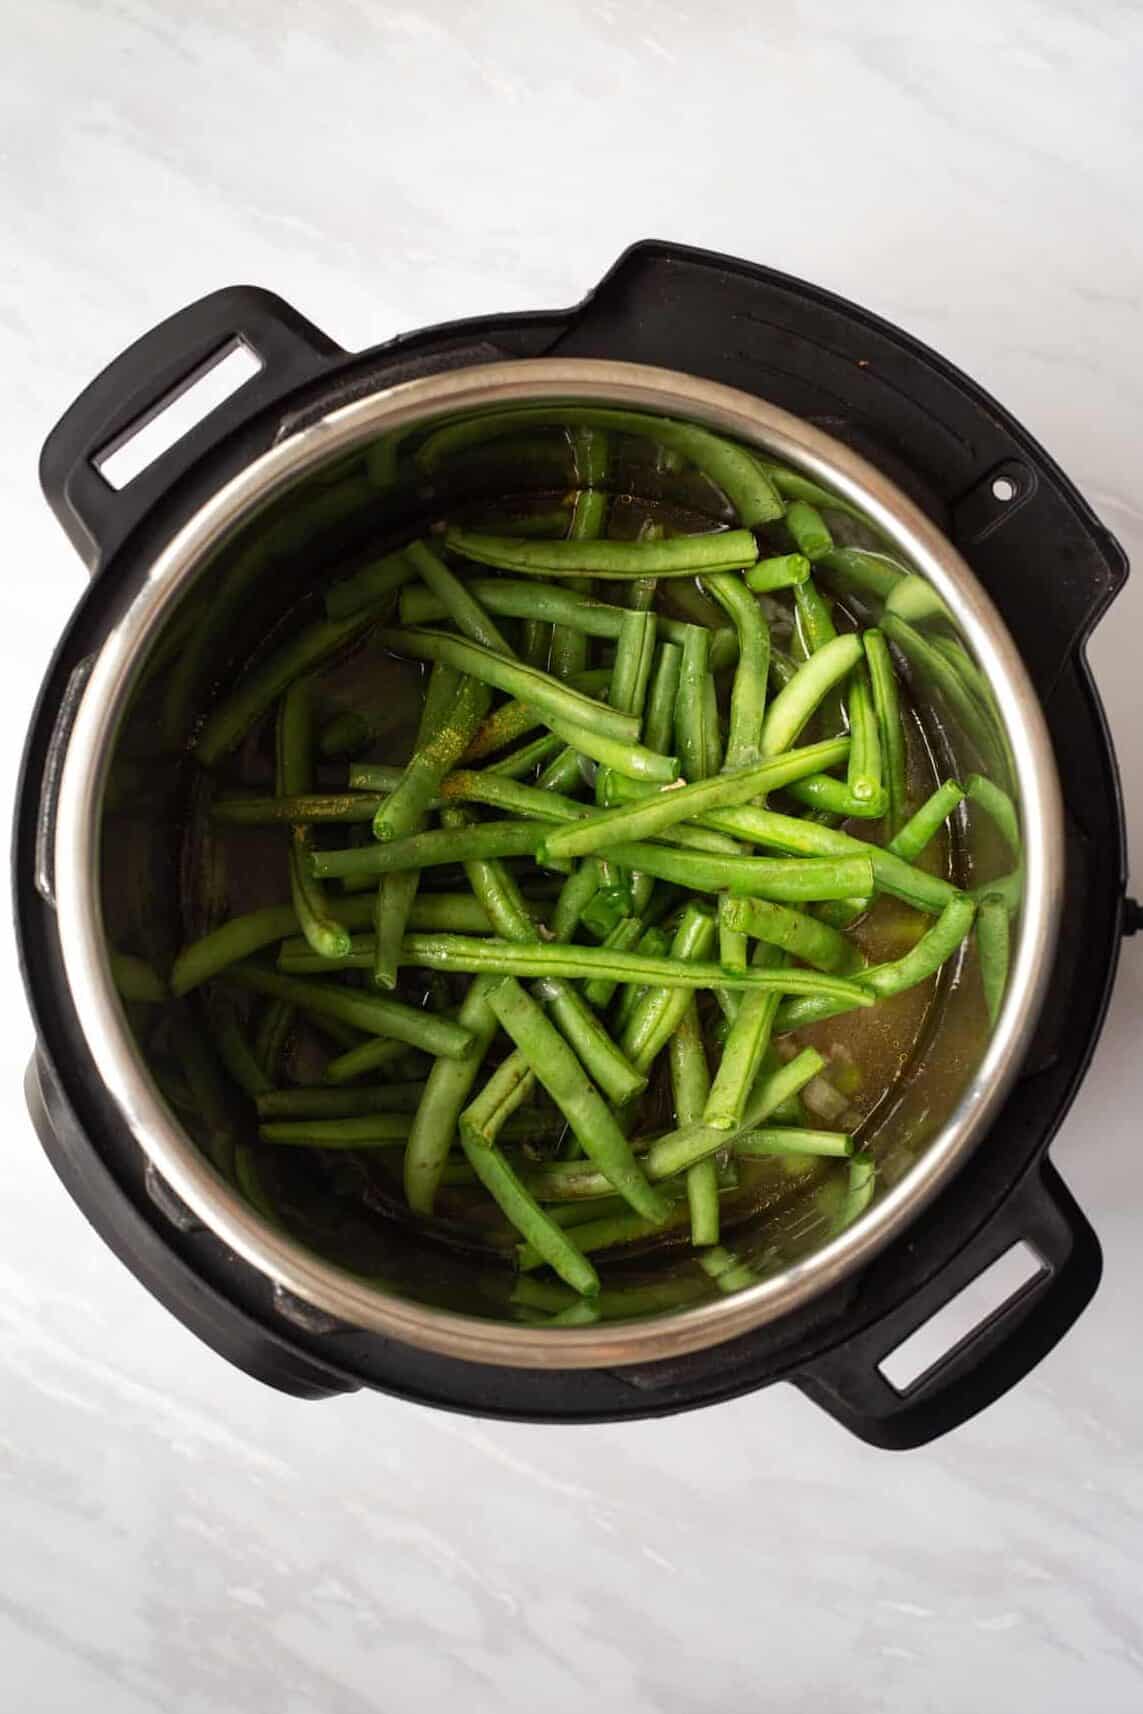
x: 192, y: 564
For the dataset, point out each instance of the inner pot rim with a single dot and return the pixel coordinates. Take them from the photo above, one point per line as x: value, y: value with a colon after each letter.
x: 100, y: 1013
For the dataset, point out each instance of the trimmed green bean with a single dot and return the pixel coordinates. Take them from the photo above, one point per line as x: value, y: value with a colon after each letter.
x: 793, y: 1140
x: 856, y: 571
x: 690, y: 1086
x: 678, y: 556
x: 265, y: 811
x: 809, y: 530
x: 924, y: 825
x: 833, y: 797
x: 748, y: 691
x: 371, y: 1012
x: 454, y: 708
x: 992, y: 952
x: 651, y: 817
x: 864, y: 772
x: 778, y: 571
x: 324, y: 933
x: 561, y: 1074
x: 659, y: 724
x: 743, y: 1050
x: 887, y: 704
x: 803, y: 936
x: 690, y: 703
x: 446, y: 1091
x: 792, y: 880
x: 231, y: 942
x: 794, y: 705
x: 362, y: 1131
x: 815, y: 617
x: 998, y: 806
x: 551, y: 1243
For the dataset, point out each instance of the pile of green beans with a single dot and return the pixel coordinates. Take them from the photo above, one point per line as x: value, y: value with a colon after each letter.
x: 681, y: 785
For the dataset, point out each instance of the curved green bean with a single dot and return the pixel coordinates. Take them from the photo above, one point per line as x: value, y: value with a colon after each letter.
x: 515, y: 718
x: 324, y: 933
x: 794, y: 704
x: 748, y: 691
x: 368, y: 586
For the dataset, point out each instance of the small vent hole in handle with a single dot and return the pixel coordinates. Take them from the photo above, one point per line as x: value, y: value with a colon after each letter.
x: 207, y: 387
x: 989, y: 1294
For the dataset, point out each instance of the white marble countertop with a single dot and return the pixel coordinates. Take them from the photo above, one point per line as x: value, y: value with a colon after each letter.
x: 179, y: 1538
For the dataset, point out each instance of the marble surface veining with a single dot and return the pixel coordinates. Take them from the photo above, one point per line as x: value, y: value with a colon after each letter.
x: 177, y: 1538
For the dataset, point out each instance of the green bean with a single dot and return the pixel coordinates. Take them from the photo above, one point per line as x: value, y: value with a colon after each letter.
x: 258, y: 688
x: 789, y: 833
x: 963, y: 700
x: 792, y: 881
x: 633, y: 760
x: 659, y: 724
x: 794, y: 705
x: 833, y: 797
x: 690, y: 1085
x: 454, y: 708
x: 998, y: 806
x: 229, y: 943
x: 920, y: 963
x: 711, y: 729
x: 274, y: 1027
x: 561, y: 1074
x: 731, y: 468
x: 802, y: 936
x: 466, y: 955
x: 364, y: 1131
x: 318, y: 1102
x: 992, y: 951
x: 871, y: 576
x: 728, y: 1271
x: 546, y: 693
x: 743, y: 1050
x: 602, y: 1234
x: 815, y: 617
x: 345, y: 734
x: 887, y: 703
x: 371, y: 1055
x: 748, y: 692
x: 808, y: 528
x: 135, y: 980
x: 587, y: 522
x: 516, y: 718
x: 461, y: 607
x: 370, y: 1012
x: 679, y: 556
x: 368, y: 586
x: 265, y: 811
x: 549, y: 1241
x: 690, y: 703
x: 324, y: 933
x: 681, y: 1148
x: 779, y: 571
x: 576, y: 893
x: 426, y: 850
x: 237, y: 1056
x: 561, y: 604
x: 574, y: 1181
x: 864, y: 772
x: 660, y: 1009
x: 793, y: 1140
x: 651, y: 817
x: 449, y: 1083
x: 923, y: 826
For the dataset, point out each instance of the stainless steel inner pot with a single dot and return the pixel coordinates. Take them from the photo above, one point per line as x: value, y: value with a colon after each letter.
x: 257, y: 549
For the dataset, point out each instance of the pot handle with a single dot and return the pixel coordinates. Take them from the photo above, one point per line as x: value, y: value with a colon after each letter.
x: 850, y: 1384
x: 139, y: 384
